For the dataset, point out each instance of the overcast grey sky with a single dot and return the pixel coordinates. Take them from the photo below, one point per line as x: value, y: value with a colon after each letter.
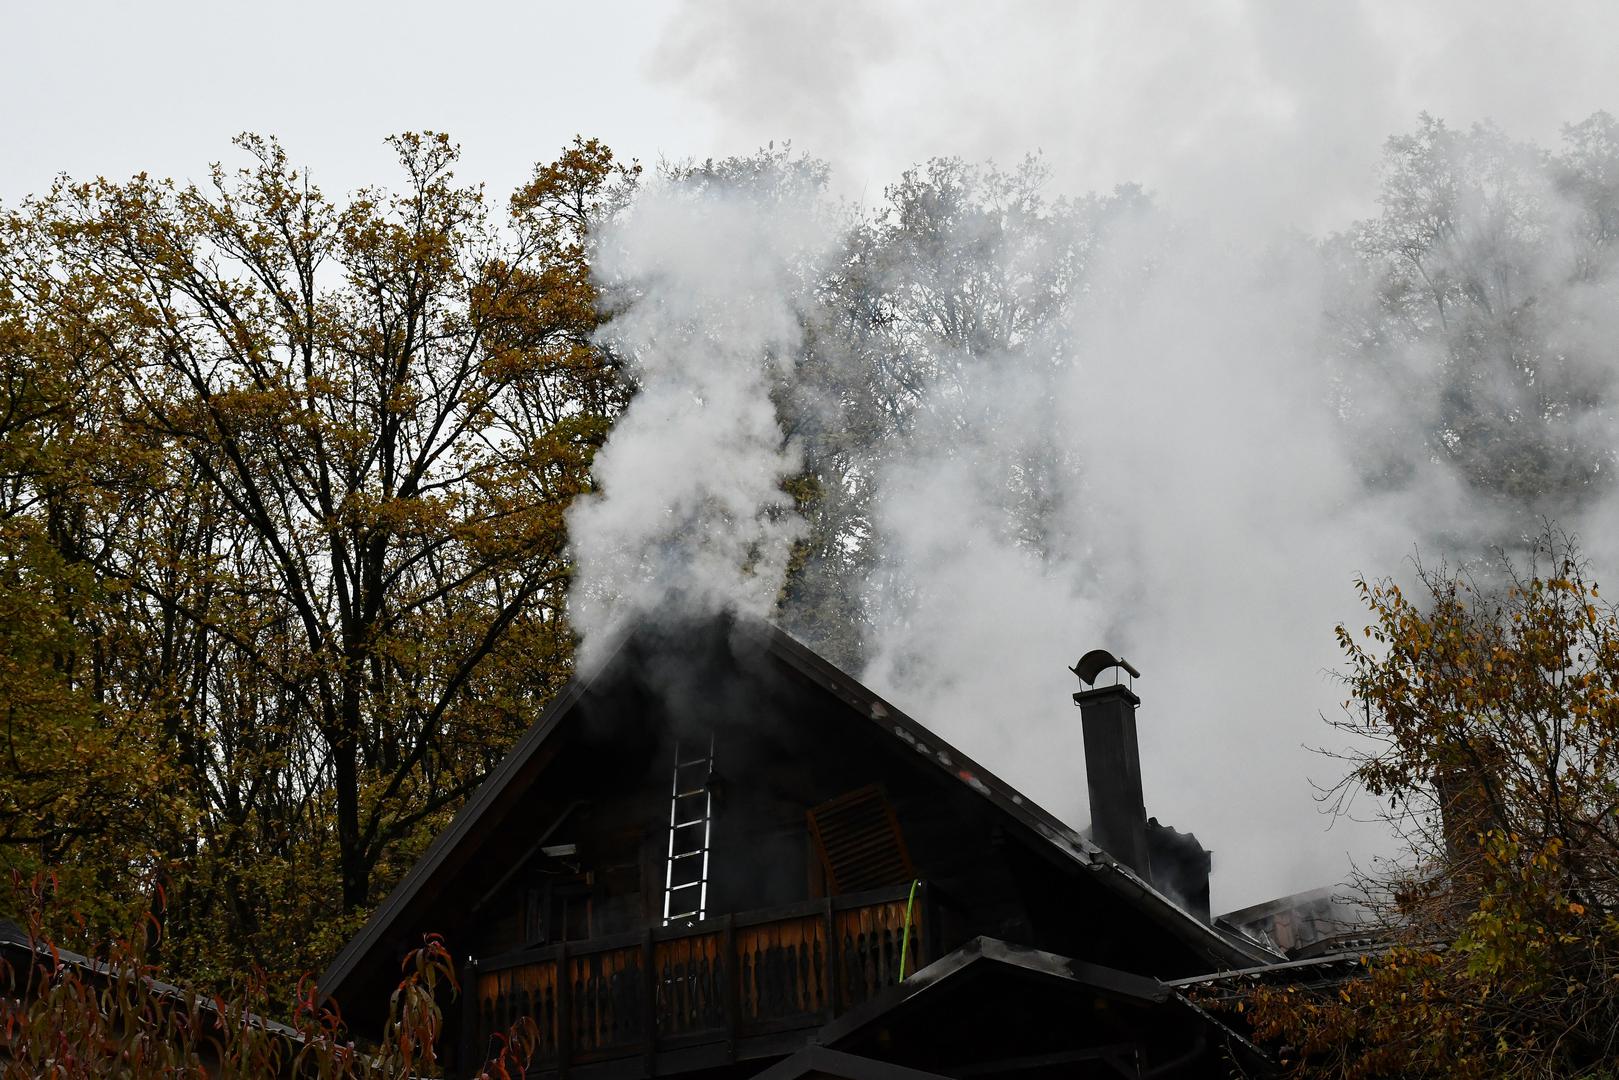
x: 1241, y: 108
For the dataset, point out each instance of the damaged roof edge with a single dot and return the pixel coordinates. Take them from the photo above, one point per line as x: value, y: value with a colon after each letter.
x: 1352, y: 958
x: 1063, y: 838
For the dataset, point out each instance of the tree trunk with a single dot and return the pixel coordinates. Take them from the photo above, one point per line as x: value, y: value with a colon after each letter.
x: 351, y: 860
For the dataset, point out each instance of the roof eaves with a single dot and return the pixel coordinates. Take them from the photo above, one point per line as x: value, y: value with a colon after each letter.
x: 1342, y: 961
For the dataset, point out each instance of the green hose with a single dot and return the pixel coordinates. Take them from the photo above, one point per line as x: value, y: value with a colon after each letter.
x: 905, y: 942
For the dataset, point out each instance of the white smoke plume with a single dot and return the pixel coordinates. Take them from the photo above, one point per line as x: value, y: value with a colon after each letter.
x: 1261, y: 112
x: 691, y: 515
x: 1211, y: 522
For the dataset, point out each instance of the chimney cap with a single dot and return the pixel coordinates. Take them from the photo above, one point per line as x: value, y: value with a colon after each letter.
x: 1097, y: 661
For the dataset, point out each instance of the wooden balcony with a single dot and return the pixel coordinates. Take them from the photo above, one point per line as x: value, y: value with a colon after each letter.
x: 672, y: 998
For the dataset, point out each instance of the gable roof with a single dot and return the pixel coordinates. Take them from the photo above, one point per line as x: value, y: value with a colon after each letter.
x: 1046, y: 832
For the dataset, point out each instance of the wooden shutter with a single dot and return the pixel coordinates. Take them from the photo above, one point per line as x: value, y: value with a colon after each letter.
x: 858, y: 839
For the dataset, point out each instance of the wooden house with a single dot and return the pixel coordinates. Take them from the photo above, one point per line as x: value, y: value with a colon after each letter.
x: 718, y: 855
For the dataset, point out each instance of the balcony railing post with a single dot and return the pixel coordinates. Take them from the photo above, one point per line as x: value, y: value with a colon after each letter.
x: 564, y: 1010
x: 732, y: 974
x: 832, y: 953
x: 649, y: 1016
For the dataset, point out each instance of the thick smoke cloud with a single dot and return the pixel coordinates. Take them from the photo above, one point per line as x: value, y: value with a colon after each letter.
x: 1209, y: 471
x: 1263, y: 110
x: 1208, y: 523
x: 692, y: 514
x: 1241, y: 428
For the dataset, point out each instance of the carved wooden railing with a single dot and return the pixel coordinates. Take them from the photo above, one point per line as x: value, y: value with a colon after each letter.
x: 720, y: 981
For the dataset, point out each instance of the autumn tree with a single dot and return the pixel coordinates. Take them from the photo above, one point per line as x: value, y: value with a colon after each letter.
x: 1490, y: 716
x: 80, y: 762
x: 336, y: 442
x: 934, y: 332
x: 1474, y: 315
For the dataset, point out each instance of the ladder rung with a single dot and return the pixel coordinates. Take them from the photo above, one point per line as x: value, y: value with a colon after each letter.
x: 683, y: 915
x: 684, y: 885
x: 686, y: 854
x: 689, y: 824
x: 689, y: 794
x: 693, y: 761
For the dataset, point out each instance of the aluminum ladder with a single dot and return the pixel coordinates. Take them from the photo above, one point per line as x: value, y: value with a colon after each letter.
x: 691, y: 815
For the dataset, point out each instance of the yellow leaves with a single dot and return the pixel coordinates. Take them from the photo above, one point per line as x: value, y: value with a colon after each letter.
x: 1502, y: 709
x: 254, y: 405
x: 306, y: 440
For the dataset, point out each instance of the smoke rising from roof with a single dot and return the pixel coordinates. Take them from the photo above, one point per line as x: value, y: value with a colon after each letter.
x: 692, y: 514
